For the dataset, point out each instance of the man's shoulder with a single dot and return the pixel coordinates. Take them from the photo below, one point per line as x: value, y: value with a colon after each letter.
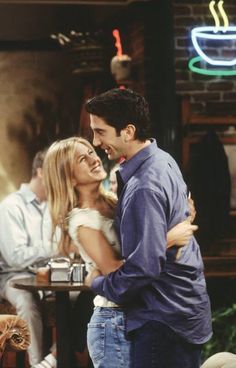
x: 159, y: 165
x: 12, y: 199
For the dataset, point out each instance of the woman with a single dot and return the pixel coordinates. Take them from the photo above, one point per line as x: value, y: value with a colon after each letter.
x: 73, y: 175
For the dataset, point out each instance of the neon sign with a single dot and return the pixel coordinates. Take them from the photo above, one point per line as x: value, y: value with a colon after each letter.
x: 215, y: 65
x: 116, y: 35
x: 120, y: 63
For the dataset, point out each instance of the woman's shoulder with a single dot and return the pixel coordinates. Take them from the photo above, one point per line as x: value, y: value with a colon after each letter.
x: 88, y: 217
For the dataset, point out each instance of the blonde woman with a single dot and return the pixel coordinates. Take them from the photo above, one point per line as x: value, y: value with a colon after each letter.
x: 73, y: 176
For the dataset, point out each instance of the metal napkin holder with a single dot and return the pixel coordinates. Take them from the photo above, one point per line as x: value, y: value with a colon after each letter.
x: 63, y: 270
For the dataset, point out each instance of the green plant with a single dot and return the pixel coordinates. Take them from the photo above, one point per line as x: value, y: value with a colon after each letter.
x: 224, y: 332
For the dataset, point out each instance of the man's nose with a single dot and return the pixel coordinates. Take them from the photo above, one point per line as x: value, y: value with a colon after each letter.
x: 96, y: 141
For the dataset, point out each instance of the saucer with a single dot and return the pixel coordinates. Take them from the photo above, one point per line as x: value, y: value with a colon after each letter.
x: 194, y: 66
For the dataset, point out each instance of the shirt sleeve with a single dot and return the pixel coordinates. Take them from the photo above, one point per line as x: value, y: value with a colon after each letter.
x: 83, y: 217
x: 14, y: 240
x: 143, y: 231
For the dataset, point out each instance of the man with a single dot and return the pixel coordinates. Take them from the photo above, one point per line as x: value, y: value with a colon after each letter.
x: 25, y: 241
x: 167, y: 306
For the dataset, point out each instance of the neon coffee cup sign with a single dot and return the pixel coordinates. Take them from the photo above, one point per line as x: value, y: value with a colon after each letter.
x: 224, y: 35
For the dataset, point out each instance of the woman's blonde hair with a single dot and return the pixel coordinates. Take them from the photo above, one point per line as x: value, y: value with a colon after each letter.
x: 58, y: 173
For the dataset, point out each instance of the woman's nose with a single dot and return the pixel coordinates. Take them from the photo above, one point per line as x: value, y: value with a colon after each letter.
x: 92, y: 159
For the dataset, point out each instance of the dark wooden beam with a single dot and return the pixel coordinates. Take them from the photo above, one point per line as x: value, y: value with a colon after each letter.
x: 69, y: 2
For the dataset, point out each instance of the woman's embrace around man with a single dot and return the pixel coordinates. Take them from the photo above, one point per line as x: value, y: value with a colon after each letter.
x: 152, y: 308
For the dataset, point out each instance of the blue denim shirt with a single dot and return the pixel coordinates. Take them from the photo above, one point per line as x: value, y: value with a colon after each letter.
x: 152, y: 284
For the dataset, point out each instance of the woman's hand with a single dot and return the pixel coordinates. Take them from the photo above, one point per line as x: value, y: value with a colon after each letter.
x: 181, y: 233
x: 91, y: 276
x: 192, y: 208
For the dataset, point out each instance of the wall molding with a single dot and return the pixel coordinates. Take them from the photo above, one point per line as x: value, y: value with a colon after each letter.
x: 72, y: 2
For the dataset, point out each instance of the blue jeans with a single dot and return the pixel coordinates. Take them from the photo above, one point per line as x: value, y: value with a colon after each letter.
x: 155, y: 345
x: 107, y: 345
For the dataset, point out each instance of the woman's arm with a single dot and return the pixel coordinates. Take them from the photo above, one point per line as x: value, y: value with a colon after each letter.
x: 96, y: 245
x: 181, y: 233
x: 192, y: 209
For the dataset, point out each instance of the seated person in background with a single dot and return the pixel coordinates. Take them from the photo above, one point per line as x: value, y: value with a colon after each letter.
x: 25, y: 240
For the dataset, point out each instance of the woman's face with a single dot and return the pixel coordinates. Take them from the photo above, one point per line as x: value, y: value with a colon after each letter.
x: 88, y: 167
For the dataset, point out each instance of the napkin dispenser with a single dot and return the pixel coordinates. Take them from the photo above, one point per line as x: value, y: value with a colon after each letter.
x: 60, y: 270
x: 78, y: 273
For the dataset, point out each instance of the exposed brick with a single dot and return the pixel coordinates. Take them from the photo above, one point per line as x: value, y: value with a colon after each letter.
x: 183, y: 42
x: 220, y: 86
x: 181, y: 64
x: 182, y: 75
x: 212, y: 88
x: 197, y: 107
x: 181, y: 54
x: 188, y: 86
x: 229, y: 96
x: 230, y: 10
x: 211, y: 52
x: 200, y: 10
x: 180, y: 32
x: 187, y: 21
x: 206, y: 96
x: 223, y: 108
x: 182, y: 10
x: 201, y: 77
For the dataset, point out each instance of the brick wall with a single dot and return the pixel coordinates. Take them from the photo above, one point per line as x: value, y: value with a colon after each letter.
x: 208, y: 94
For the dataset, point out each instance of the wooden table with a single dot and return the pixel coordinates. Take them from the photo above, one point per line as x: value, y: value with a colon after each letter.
x: 63, y: 328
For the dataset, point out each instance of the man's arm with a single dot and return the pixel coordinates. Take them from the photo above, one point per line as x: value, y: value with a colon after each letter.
x: 14, y: 240
x: 143, y: 235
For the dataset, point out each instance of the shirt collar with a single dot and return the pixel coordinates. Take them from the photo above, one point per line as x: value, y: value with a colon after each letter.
x: 29, y: 196
x: 128, y: 168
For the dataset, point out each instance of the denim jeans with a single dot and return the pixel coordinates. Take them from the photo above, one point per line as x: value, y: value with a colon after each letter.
x: 155, y: 345
x: 107, y: 345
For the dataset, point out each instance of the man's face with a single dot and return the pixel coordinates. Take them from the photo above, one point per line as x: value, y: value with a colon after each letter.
x: 41, y: 190
x: 105, y: 137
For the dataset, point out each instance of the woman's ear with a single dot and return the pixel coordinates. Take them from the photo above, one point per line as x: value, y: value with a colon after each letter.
x: 73, y: 182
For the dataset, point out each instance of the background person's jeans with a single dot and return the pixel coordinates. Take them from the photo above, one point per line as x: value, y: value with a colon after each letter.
x: 155, y: 345
x: 107, y: 345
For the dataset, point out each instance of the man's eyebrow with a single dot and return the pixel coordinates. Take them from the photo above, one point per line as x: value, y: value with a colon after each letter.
x: 99, y: 130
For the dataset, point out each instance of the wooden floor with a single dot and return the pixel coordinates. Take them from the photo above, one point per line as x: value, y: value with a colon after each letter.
x: 10, y: 360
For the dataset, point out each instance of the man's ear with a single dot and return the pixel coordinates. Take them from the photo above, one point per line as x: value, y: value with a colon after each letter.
x: 39, y: 172
x: 129, y: 133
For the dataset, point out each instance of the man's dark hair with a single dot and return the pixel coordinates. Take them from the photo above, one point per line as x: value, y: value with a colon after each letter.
x: 38, y: 161
x: 120, y: 107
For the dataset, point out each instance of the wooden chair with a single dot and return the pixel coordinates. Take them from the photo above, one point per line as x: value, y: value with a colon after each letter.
x: 48, y: 315
x: 14, y: 335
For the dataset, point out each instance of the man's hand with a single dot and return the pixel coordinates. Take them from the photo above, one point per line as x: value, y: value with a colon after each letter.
x: 91, y: 276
